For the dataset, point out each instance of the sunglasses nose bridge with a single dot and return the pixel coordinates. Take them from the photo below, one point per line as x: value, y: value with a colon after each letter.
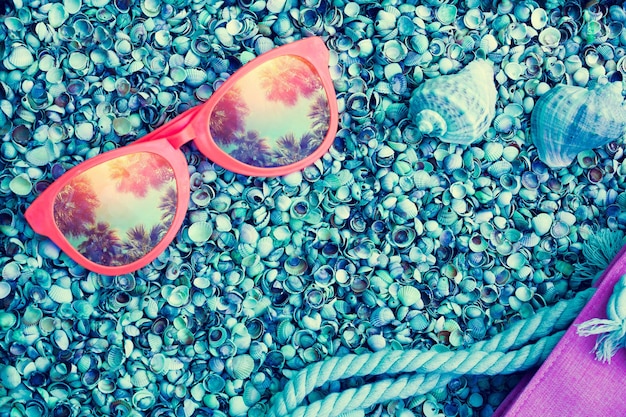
x: 179, y: 138
x: 177, y: 131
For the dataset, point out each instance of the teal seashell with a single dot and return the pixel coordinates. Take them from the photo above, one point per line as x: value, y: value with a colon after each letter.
x: 263, y: 44
x: 140, y: 378
x: 21, y: 185
x: 394, y: 51
x: 11, y: 271
x: 213, y: 383
x: 185, y: 336
x: 200, y: 232
x: 500, y: 168
x: 10, y: 378
x: 57, y: 15
x: 251, y: 394
x: 14, y: 24
x: 559, y: 136
x: 476, y: 328
x: 504, y: 123
x: 382, y: 316
x: 377, y: 342
x: 106, y: 386
x: 549, y: 37
x: 60, y: 339
x: 5, y: 289
x: 295, y: 265
x: 419, y: 42
x: 217, y: 336
x: 446, y: 14
x: 493, y: 150
x: 41, y: 155
x: 422, y: 179
x: 402, y: 236
x: 248, y: 234
x: 265, y: 247
x: 396, y: 112
x: 177, y: 296
x: 240, y: 366
x: 559, y: 229
x: 489, y: 294
x: 542, y: 223
x: 324, y: 276
x: 452, y: 162
x: 31, y: 315
x: 457, y: 108
x: 411, y: 297
x: 237, y: 406
x: 473, y: 18
x: 419, y: 322
x: 359, y: 283
x: 447, y: 216
x: 385, y: 20
x: 115, y: 357
x: 143, y: 400
x: 405, y: 209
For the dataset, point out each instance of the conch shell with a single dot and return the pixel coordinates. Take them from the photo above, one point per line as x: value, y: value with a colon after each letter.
x: 569, y: 119
x: 456, y: 108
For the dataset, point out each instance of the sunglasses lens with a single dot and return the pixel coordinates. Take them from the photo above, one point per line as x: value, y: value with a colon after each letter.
x: 118, y: 211
x: 273, y: 116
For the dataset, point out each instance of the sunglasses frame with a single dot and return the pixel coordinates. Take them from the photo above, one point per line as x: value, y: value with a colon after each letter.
x: 192, y: 123
x: 166, y: 141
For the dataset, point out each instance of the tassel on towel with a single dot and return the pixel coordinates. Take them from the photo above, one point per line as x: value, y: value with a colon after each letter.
x: 612, y: 330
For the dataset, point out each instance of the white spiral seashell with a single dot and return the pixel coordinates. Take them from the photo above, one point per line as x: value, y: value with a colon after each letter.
x: 456, y: 108
x: 569, y: 119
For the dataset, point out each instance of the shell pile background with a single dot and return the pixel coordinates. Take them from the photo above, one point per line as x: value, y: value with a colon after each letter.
x: 390, y: 240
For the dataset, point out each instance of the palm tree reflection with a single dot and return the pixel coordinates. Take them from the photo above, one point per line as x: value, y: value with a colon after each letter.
x: 290, y: 149
x: 140, y: 241
x: 289, y: 80
x: 111, y: 235
x: 102, y: 246
x: 228, y: 116
x: 238, y: 124
x: 252, y: 149
x: 75, y: 207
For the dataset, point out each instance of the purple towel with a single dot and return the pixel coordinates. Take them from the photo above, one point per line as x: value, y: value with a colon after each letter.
x: 571, y: 382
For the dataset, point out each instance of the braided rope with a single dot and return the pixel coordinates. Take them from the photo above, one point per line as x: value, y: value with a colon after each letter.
x: 541, y: 324
x: 477, y: 359
x: 409, y: 385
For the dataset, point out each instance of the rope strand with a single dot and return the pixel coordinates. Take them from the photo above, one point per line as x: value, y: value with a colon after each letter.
x: 409, y: 385
x: 544, y: 322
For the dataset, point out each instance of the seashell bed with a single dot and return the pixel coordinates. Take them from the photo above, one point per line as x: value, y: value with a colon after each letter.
x: 478, y: 175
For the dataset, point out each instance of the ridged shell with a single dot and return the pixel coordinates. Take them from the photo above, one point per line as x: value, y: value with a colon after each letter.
x: 31, y: 316
x: 60, y: 295
x: 240, y: 367
x: 410, y: 296
x: 140, y: 379
x: 456, y: 108
x: 20, y: 57
x: 382, y: 317
x: 200, y: 232
x: 569, y: 119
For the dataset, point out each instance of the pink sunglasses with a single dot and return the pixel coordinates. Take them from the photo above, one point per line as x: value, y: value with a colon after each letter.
x: 116, y: 212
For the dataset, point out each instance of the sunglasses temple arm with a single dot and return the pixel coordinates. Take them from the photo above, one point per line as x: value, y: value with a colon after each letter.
x: 178, y: 131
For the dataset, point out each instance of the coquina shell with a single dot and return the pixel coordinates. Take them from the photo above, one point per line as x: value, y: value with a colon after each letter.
x: 456, y: 108
x: 569, y: 119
